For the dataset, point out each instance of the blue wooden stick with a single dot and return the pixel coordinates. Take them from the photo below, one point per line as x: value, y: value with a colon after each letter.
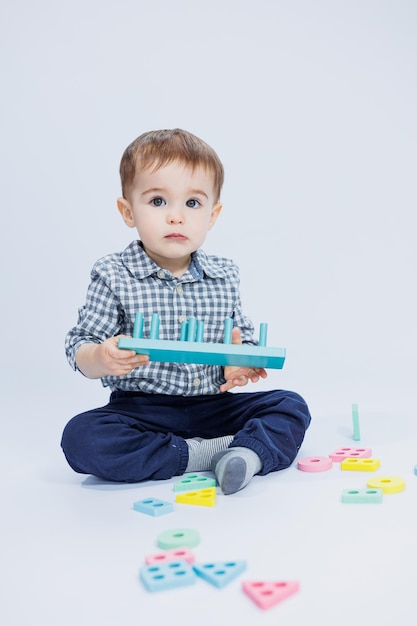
x: 184, y: 330
x: 138, y: 326
x: 227, y: 333
x: 263, y: 332
x: 192, y: 329
x: 200, y: 331
x: 154, y: 332
x: 355, y: 419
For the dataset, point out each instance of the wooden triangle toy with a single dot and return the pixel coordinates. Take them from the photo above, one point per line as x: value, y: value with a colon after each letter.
x: 219, y: 574
x: 268, y: 594
x: 192, y: 482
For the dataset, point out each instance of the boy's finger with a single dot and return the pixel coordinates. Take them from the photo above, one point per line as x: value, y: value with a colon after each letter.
x: 236, y: 338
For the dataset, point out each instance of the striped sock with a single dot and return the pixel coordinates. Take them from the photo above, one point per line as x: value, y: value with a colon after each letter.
x: 235, y: 467
x: 201, y: 452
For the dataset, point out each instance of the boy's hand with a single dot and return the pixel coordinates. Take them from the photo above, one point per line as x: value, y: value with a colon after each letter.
x: 240, y: 376
x: 106, y: 359
x: 118, y: 362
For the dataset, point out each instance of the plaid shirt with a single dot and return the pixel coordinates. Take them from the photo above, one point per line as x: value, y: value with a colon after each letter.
x: 125, y: 283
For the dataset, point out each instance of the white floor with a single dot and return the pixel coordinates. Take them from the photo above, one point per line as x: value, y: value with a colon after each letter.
x: 72, y: 546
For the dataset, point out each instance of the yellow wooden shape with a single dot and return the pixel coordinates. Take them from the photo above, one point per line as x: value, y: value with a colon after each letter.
x: 388, y: 484
x: 201, y: 497
x: 363, y: 465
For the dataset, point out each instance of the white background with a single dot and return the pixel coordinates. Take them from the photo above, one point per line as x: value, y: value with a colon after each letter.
x: 311, y: 105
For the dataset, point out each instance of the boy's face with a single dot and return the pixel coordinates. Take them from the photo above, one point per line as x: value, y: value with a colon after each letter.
x: 172, y: 209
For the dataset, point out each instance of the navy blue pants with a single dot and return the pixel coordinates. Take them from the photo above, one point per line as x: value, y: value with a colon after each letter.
x: 139, y: 436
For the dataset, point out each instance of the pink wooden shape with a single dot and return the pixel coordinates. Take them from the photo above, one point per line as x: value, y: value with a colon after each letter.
x: 267, y: 594
x: 170, y: 555
x: 315, y: 464
x: 350, y: 453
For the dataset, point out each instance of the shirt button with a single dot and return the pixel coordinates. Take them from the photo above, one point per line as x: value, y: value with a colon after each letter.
x: 180, y: 290
x: 182, y: 318
x: 161, y: 274
x: 196, y: 382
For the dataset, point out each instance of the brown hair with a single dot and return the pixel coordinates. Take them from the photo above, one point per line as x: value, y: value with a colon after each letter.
x: 159, y: 147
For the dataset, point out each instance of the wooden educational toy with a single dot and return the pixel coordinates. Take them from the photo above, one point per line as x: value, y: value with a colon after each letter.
x: 362, y: 496
x: 176, y: 554
x: 355, y: 421
x: 201, y: 497
x: 361, y: 465
x: 167, y: 575
x: 219, y: 574
x: 193, y: 482
x: 315, y: 464
x: 178, y: 538
x: 267, y: 594
x: 152, y: 506
x: 350, y: 453
x: 191, y: 348
x: 388, y: 484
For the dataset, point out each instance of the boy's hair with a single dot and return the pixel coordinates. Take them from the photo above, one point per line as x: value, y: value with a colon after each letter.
x: 158, y: 148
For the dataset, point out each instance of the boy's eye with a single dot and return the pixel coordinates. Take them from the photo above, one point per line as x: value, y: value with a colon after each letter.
x: 157, y: 202
x: 193, y: 204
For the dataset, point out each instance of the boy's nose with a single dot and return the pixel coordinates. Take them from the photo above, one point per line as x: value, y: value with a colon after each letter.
x: 175, y: 217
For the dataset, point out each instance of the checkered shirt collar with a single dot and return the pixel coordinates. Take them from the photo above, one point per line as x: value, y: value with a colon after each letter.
x: 140, y: 265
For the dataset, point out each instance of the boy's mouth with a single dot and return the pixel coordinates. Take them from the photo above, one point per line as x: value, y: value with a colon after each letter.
x: 176, y: 237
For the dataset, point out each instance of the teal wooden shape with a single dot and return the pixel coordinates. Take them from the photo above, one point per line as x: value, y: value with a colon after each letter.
x: 167, y: 575
x: 227, y: 331
x: 138, y: 325
x: 355, y: 420
x: 154, y: 332
x: 219, y: 574
x: 178, y: 538
x: 192, y: 482
x: 362, y: 496
x: 263, y: 333
x: 152, y: 506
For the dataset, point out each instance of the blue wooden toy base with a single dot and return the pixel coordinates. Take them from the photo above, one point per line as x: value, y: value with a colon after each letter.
x: 206, y: 353
x: 189, y: 350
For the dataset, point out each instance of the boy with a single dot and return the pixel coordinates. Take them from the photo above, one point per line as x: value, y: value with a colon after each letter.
x: 164, y: 419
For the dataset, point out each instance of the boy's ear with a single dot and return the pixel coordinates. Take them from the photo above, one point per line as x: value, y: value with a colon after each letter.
x: 126, y: 212
x: 215, y: 214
